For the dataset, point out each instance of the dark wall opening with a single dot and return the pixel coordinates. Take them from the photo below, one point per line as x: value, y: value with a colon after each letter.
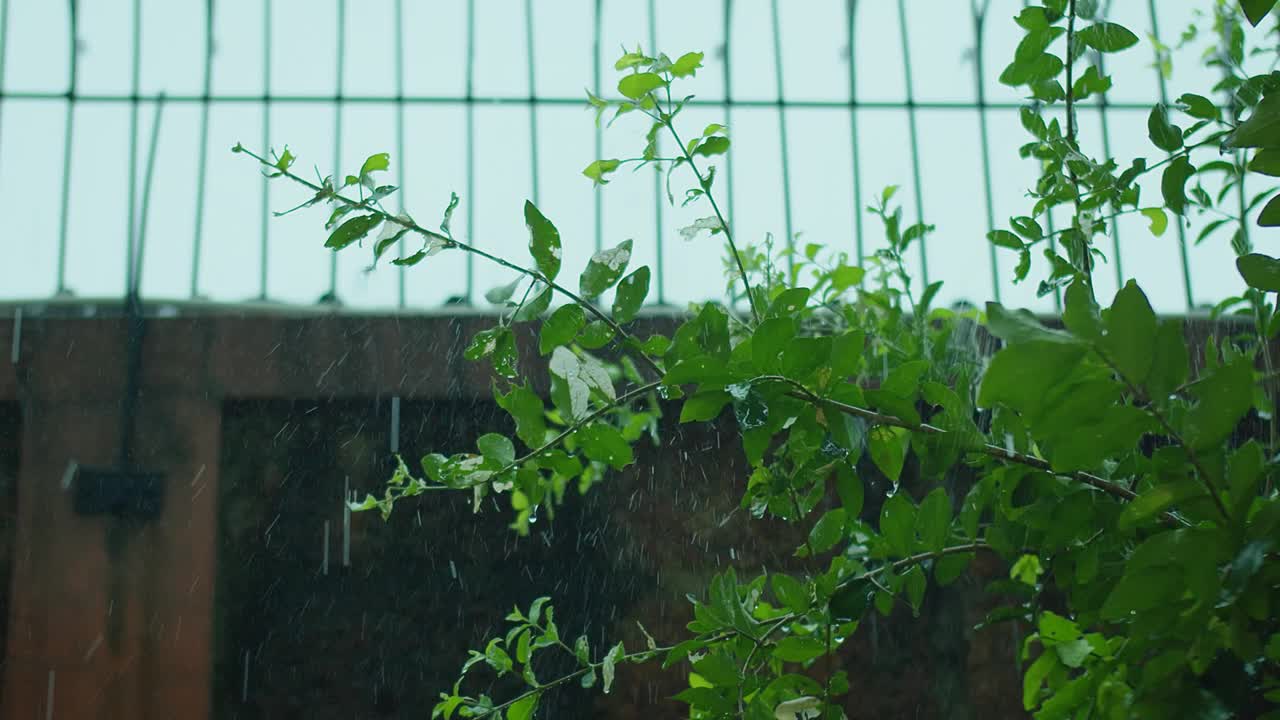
x: 383, y: 637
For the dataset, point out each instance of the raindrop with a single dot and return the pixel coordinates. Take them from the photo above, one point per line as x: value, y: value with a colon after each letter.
x: 533, y: 515
x: 453, y: 570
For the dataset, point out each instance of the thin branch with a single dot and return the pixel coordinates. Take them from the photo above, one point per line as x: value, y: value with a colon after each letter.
x: 451, y: 242
x: 715, y: 207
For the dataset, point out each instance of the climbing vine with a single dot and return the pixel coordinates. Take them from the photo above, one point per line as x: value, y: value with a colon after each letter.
x: 1126, y: 479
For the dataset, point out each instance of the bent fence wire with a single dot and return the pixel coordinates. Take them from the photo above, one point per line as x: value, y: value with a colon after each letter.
x: 981, y: 122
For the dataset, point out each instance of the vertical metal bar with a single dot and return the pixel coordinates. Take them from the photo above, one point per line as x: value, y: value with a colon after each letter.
x: 131, y: 213
x: 597, y: 197
x: 263, y: 224
x: 852, y: 10
x: 73, y: 52
x: 4, y: 46
x: 337, y: 133
x: 147, y: 184
x: 980, y: 76
x: 471, y: 147
x: 658, y: 191
x: 400, y: 156
x: 533, y: 96
x: 728, y: 162
x: 1164, y: 98
x: 1104, y: 119
x: 202, y: 159
x: 914, y: 135
x: 782, y: 137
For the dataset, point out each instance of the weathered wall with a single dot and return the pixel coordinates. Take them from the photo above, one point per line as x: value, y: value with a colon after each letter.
x: 255, y: 422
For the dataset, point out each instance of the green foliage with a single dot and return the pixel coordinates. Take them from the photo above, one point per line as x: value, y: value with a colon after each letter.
x: 1123, y: 482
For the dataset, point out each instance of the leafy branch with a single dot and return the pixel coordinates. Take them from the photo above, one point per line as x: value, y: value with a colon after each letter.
x: 326, y: 192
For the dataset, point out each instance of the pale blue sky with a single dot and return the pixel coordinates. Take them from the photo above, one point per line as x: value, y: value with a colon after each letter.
x: 304, y: 34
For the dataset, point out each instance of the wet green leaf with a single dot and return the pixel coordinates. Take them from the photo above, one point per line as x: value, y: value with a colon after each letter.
x: 1130, y: 334
x: 1107, y: 37
x: 631, y: 294
x: 351, y: 230
x: 602, y: 442
x: 544, y: 241
x: 640, y: 84
x: 898, y: 523
x: 1260, y: 271
x: 1163, y: 133
x: 604, y: 269
x: 828, y: 530
x: 561, y: 327
x: 799, y: 649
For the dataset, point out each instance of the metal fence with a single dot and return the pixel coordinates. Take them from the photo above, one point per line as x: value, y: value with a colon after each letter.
x: 816, y: 142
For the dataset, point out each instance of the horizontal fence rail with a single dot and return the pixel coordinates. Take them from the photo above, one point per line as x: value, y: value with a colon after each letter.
x: 114, y: 162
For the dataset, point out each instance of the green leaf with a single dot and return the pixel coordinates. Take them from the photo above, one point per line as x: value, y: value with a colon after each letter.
x: 769, y: 340
x: 799, y: 649
x: 687, y: 64
x: 523, y: 708
x: 1225, y: 394
x: 1267, y: 162
x: 598, y: 169
x: 1020, y: 326
x: 897, y: 524
x: 933, y: 520
x: 604, y: 269
x: 373, y: 163
x: 1270, y: 215
x: 596, y: 334
x: 602, y: 442
x: 1131, y: 334
x: 544, y: 241
x: 1107, y: 37
x: 569, y: 389
x: 714, y: 145
x: 638, y: 85
x: 1164, y: 134
x: 828, y: 530
x: 1260, y: 271
x: 790, y: 593
x: 1256, y: 10
x: 608, y: 665
x: 703, y: 406
x: 1173, y: 183
x: 498, y: 344
x: 1158, y: 499
x: 533, y: 308
x: 1005, y: 239
x: 1080, y: 312
x: 888, y: 448
x: 1159, y: 220
x: 852, y: 600
x: 1021, y: 376
x: 1169, y: 367
x: 1027, y: 570
x: 631, y: 294
x: 561, y: 327
x: 497, y: 448
x: 352, y: 230
x: 502, y: 293
x: 749, y: 406
x: 1262, y: 129
x: 525, y: 407
x: 1198, y: 106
